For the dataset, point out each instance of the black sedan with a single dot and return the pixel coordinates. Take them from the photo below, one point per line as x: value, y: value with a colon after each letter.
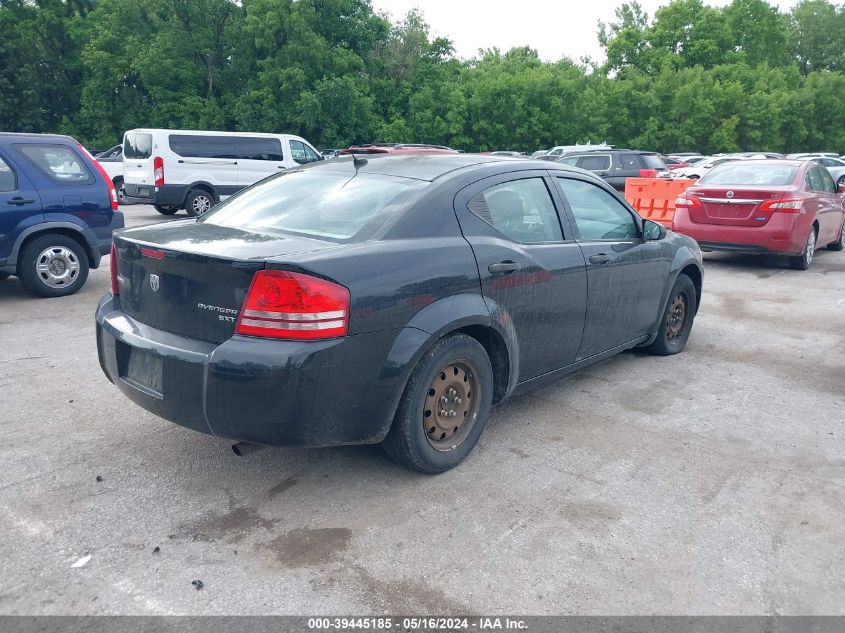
x: 391, y: 299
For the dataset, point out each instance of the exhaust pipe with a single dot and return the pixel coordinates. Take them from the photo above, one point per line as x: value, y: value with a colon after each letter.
x: 245, y: 448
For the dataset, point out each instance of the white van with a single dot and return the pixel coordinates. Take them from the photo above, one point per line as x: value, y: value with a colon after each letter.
x: 193, y: 170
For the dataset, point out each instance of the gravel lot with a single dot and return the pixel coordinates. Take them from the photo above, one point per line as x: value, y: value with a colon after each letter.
x: 705, y: 483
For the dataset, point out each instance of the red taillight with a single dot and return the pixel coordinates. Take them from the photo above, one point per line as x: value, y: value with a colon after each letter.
x: 152, y: 252
x: 158, y: 170
x: 281, y: 304
x: 115, y: 286
x: 648, y: 173
x: 102, y: 172
x: 786, y: 205
x: 687, y: 201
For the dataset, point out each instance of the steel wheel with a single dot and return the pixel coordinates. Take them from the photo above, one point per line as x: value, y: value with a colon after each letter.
x: 451, y: 406
x: 675, y: 316
x: 57, y: 267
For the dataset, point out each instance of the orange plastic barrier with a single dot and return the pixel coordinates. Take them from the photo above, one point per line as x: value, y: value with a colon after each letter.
x: 654, y: 198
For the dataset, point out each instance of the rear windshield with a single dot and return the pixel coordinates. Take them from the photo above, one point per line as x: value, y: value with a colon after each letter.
x: 746, y: 173
x: 330, y: 205
x: 653, y: 162
x: 137, y: 145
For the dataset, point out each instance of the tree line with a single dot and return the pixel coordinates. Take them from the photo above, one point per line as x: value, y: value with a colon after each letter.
x: 690, y: 78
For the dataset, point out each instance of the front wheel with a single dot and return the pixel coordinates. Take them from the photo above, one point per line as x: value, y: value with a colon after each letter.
x: 53, y: 266
x: 198, y: 202
x: 839, y: 244
x: 803, y: 261
x: 120, y: 190
x: 165, y: 210
x: 444, y: 407
x: 676, y: 324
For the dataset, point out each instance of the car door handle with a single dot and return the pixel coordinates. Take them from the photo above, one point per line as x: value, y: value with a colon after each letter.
x: 19, y: 201
x: 601, y: 258
x: 505, y: 268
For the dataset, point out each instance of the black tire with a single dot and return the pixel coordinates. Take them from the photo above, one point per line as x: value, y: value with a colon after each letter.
x: 673, y: 334
x: 120, y: 190
x: 803, y: 261
x: 165, y: 210
x: 198, y: 202
x: 839, y: 244
x: 53, y: 265
x: 408, y: 441
x: 4, y: 276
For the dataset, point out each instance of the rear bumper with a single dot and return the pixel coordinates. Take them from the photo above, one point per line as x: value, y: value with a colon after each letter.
x: 166, y: 195
x: 781, y: 235
x: 278, y: 393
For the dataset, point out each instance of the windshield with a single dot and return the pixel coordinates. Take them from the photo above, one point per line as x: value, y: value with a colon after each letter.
x: 745, y: 173
x: 324, y: 204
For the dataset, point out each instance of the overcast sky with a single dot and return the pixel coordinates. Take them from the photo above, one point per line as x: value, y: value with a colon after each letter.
x: 556, y: 28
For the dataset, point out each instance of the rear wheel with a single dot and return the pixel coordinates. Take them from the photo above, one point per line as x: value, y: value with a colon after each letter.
x: 120, y: 190
x: 803, y: 261
x: 53, y: 266
x: 198, y: 202
x: 676, y: 324
x: 166, y: 210
x: 444, y: 407
x: 839, y: 244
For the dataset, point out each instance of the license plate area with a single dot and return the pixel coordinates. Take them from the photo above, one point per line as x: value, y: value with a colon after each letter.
x: 140, y: 369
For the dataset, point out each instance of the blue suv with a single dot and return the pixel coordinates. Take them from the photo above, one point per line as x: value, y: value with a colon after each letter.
x: 58, y: 209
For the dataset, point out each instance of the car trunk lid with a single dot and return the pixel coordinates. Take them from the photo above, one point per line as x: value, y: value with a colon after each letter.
x: 191, y: 279
x: 733, y: 205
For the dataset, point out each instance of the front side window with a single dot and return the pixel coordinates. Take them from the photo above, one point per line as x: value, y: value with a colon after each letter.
x: 256, y: 148
x: 331, y: 205
x: 598, y: 215
x: 137, y: 145
x: 58, y: 162
x: 522, y: 210
x: 595, y: 163
x: 196, y: 146
x: 302, y: 154
x: 8, y: 180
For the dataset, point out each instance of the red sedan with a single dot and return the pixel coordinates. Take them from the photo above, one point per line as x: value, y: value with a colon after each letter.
x: 781, y: 207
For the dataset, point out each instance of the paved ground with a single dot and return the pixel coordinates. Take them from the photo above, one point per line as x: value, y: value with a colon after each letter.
x: 710, y: 482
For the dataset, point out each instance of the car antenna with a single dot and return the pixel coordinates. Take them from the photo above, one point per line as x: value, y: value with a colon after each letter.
x: 358, y: 162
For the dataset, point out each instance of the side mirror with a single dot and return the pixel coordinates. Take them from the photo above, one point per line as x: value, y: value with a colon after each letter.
x: 652, y: 231
x: 841, y: 187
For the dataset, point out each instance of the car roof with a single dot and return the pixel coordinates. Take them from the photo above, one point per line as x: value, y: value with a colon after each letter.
x: 31, y: 136
x: 430, y: 167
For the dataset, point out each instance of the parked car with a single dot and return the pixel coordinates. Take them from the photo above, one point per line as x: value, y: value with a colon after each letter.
x: 700, y: 168
x: 690, y: 160
x: 328, y: 154
x: 193, y: 170
x: 805, y: 155
x: 342, y: 304
x: 58, y: 208
x: 398, y: 148
x: 503, y: 152
x: 617, y: 165
x: 540, y: 152
x: 112, y: 162
x: 674, y: 163
x: 780, y: 207
x: 560, y: 150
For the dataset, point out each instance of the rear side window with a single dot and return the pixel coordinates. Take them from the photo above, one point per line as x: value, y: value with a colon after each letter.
x: 595, y: 163
x: 196, y: 146
x: 58, y: 162
x: 331, y: 205
x: 256, y: 148
x: 652, y: 161
x: 521, y: 209
x: 827, y: 181
x: 629, y: 162
x: 302, y: 154
x: 8, y: 180
x: 570, y: 160
x: 137, y: 145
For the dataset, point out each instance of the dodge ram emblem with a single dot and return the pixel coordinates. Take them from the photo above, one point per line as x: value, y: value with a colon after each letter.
x: 154, y: 282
